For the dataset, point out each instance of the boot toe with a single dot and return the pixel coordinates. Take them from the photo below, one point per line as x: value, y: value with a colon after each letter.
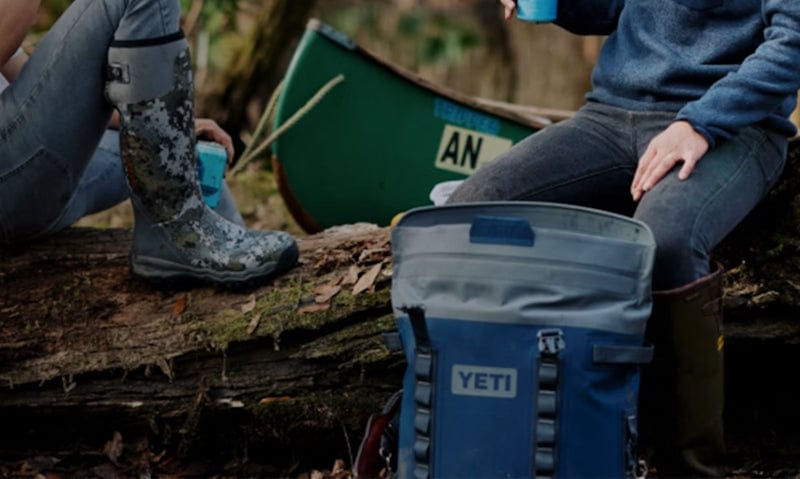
x: 276, y: 250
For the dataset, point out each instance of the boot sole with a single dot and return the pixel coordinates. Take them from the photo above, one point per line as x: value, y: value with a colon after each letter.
x: 159, y: 271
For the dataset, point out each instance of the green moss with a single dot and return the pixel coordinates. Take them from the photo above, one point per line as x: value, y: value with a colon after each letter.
x: 362, y: 339
x: 228, y: 326
x: 279, y: 312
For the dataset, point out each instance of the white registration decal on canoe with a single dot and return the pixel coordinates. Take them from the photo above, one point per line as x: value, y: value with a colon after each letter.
x: 464, y: 151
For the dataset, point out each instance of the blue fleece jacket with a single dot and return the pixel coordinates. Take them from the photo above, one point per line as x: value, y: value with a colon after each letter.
x: 720, y: 64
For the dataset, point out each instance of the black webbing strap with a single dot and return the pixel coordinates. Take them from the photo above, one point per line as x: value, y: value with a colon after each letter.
x: 551, y: 343
x: 424, y: 362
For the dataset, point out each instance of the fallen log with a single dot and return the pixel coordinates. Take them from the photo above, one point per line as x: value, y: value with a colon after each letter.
x: 83, y: 340
x: 290, y: 370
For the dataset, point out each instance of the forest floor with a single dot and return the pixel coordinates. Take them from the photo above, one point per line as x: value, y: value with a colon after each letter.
x: 117, y: 459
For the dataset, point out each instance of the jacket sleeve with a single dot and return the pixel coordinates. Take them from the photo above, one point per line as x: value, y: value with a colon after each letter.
x: 762, y: 82
x: 589, y: 17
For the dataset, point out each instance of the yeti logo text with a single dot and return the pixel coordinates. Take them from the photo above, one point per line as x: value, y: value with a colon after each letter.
x: 482, y: 381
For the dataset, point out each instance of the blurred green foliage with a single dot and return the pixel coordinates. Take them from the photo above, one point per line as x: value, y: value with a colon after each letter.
x: 420, y: 36
x: 423, y: 35
x: 218, y: 20
x: 213, y: 10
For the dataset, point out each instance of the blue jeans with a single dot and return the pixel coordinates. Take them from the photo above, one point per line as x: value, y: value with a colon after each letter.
x: 103, y: 185
x: 589, y: 160
x: 54, y: 115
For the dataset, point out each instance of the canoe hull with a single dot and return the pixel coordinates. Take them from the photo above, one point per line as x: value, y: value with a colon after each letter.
x: 377, y: 143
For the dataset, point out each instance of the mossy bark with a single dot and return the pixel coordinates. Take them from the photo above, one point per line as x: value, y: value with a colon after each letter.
x: 82, y: 338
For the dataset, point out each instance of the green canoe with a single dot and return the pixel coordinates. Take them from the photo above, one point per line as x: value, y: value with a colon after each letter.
x: 377, y: 142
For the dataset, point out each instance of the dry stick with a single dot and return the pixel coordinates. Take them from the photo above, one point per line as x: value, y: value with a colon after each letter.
x: 193, y: 17
x: 262, y: 122
x: 298, y: 115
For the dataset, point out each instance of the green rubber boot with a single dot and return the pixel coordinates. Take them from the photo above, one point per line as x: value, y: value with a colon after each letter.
x: 682, y: 396
x: 176, y: 236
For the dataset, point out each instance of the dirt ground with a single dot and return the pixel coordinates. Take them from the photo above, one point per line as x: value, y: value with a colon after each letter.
x: 117, y: 459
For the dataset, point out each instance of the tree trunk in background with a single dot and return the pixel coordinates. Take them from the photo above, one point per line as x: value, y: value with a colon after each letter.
x: 237, y: 98
x: 554, y: 66
x: 499, y: 77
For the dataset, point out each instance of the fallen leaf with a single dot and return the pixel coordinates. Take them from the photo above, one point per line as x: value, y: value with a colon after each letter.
x: 325, y: 292
x: 352, y: 275
x: 180, y: 306
x: 113, y: 448
x: 250, y: 304
x: 314, y: 308
x: 374, y: 254
x: 367, y: 279
x: 251, y: 328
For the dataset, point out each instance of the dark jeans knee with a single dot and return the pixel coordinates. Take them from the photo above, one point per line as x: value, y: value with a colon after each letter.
x: 677, y: 262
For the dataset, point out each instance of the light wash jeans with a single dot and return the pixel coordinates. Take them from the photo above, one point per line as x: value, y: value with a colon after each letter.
x: 103, y: 185
x: 589, y: 160
x: 54, y: 116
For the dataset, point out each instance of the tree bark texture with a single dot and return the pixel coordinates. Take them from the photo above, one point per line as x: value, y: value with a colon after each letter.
x: 238, y: 97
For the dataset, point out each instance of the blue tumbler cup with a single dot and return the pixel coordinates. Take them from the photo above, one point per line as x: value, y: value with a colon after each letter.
x: 539, y: 11
x: 211, y: 161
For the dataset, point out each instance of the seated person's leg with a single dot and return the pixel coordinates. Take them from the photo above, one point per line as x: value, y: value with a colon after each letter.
x: 103, y: 185
x: 585, y: 161
x: 53, y: 115
x: 682, y: 390
x: 689, y: 218
x: 175, y: 234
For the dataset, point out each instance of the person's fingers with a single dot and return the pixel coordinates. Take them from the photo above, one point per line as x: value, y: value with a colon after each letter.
x: 678, y: 143
x: 656, y: 172
x: 207, y: 128
x: 687, y: 169
x: 509, y: 6
x: 641, y: 170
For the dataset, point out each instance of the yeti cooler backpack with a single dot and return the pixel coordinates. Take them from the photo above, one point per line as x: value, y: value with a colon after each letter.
x: 523, y: 327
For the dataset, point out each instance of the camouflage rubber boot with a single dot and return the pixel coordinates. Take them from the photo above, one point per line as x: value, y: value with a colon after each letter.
x: 682, y: 396
x: 176, y: 236
x: 227, y: 206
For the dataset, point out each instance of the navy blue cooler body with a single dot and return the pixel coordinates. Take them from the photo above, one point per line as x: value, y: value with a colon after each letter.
x: 523, y: 327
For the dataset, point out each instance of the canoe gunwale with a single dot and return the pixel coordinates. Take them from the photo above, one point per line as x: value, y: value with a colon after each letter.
x: 527, y: 116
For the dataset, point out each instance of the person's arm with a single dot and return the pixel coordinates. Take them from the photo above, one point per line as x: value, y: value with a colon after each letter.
x: 16, y: 17
x: 761, y: 84
x: 582, y: 17
x: 742, y: 98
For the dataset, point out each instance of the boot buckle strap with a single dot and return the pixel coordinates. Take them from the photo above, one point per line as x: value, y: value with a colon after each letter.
x: 118, y: 72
